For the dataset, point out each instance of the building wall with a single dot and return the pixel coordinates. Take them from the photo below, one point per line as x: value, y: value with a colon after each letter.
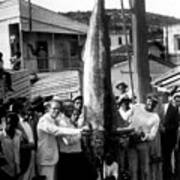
x: 115, y: 40
x: 5, y: 40
x: 155, y: 51
x: 120, y: 72
x: 43, y: 17
x: 175, y: 59
x: 9, y: 14
x: 4, y: 43
x: 9, y: 9
x: 173, y: 33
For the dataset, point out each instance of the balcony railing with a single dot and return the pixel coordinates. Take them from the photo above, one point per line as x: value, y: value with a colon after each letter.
x: 54, y: 64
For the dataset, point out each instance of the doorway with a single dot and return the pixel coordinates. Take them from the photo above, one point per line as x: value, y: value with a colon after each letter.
x: 42, y: 56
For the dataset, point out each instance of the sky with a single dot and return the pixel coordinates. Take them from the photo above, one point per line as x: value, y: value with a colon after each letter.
x: 164, y: 7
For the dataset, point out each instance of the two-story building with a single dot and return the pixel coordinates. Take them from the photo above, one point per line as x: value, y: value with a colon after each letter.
x: 172, y: 42
x: 46, y: 40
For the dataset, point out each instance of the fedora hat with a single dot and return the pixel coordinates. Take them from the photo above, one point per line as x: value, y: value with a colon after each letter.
x: 123, y: 84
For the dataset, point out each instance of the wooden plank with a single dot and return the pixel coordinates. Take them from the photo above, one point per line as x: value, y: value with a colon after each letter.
x: 20, y: 85
x: 61, y: 84
x: 169, y: 74
x: 46, y: 17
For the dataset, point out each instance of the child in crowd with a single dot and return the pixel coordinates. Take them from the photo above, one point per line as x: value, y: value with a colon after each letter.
x: 110, y: 168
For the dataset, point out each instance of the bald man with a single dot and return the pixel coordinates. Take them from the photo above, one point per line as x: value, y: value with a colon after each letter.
x: 47, y: 130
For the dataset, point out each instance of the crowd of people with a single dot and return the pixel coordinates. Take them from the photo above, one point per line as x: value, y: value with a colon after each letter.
x: 153, y: 148
x: 41, y: 138
x: 33, y: 134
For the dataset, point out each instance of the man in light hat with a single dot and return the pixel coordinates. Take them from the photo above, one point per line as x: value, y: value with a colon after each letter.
x: 122, y: 89
x: 56, y: 98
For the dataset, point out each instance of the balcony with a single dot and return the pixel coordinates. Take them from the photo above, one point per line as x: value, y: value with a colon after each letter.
x: 54, y: 64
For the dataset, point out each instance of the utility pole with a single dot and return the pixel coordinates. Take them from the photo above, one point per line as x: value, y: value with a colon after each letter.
x: 127, y: 48
x: 30, y: 15
x: 166, y: 43
x: 140, y: 50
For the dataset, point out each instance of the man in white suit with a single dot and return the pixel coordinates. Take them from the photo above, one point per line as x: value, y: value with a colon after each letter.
x: 47, y: 130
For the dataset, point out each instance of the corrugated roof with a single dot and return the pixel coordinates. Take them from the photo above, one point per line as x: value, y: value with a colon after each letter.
x: 43, y: 27
x: 119, y: 54
x: 9, y: 9
x: 169, y: 79
x: 43, y: 20
x: 56, y: 83
x: 51, y: 20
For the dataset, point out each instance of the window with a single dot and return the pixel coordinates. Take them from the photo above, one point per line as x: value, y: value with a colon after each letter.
x: 120, y: 40
x: 177, y: 42
x: 14, y: 38
x: 74, y: 48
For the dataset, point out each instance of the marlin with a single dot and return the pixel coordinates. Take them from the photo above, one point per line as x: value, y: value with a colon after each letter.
x: 97, y: 89
x: 99, y: 104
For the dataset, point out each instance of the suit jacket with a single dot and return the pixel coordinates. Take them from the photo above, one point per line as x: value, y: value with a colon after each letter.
x: 170, y: 117
x: 47, y: 130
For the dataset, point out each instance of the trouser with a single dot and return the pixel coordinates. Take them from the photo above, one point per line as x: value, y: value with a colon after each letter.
x: 4, y: 176
x: 156, y: 158
x: 75, y: 166
x: 168, y: 144
x: 177, y: 163
x: 48, y: 171
x: 30, y: 172
x: 122, y: 159
x: 139, y: 161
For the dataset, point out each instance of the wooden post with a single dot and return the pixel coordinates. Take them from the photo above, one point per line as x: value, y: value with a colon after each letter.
x: 127, y: 49
x: 21, y: 46
x: 30, y: 15
x: 21, y: 39
x: 166, y: 43
x: 141, y: 63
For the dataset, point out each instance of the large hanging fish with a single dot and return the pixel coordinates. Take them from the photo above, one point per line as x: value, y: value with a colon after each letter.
x: 100, y: 110
x: 99, y: 104
x: 97, y: 70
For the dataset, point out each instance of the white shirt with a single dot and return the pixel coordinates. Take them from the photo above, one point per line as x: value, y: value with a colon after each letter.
x: 68, y: 143
x: 27, y: 129
x: 144, y: 121
x: 11, y: 151
x: 125, y: 114
x: 110, y: 170
x: 47, y: 131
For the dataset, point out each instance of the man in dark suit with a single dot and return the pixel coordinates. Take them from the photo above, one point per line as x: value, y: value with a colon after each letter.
x: 169, y: 128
